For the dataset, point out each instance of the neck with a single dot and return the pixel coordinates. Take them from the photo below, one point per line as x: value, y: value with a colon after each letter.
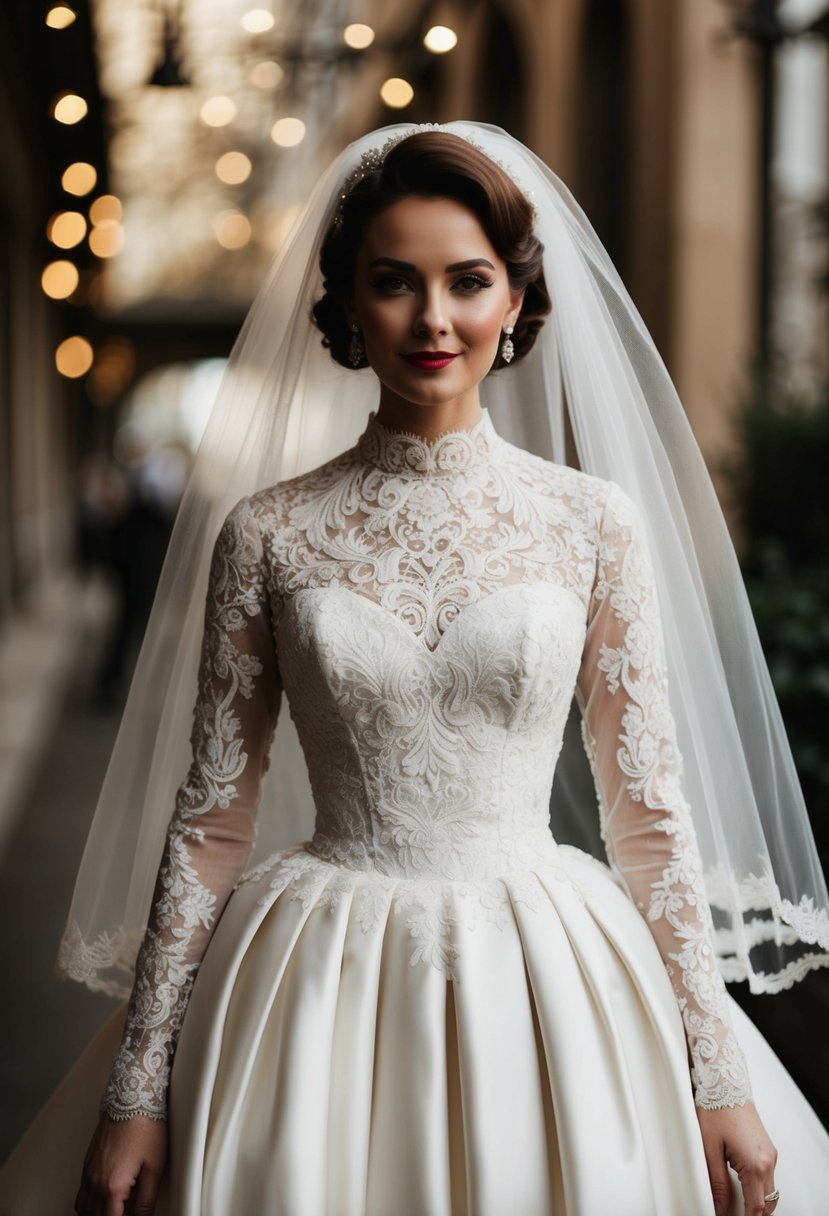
x: 429, y: 421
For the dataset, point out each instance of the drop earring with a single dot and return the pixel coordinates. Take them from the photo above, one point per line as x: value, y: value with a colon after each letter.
x: 356, y: 353
x: 507, y: 348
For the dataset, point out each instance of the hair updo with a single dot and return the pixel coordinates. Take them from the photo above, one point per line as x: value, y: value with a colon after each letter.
x: 434, y: 164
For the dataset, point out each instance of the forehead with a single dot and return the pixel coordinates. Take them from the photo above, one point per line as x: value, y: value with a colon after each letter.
x: 425, y: 231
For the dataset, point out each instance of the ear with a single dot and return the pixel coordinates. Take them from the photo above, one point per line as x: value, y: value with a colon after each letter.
x: 516, y: 301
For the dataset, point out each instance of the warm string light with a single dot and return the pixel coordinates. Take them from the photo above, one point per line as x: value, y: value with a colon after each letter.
x: 358, y: 36
x: 396, y: 93
x: 440, y: 39
x: 288, y: 132
x: 69, y: 108
x: 106, y: 239
x: 66, y: 229
x: 232, y: 229
x: 218, y: 111
x: 59, y: 279
x: 74, y: 357
x: 60, y: 16
x: 107, y: 207
x: 79, y: 178
x: 258, y: 21
x: 107, y: 235
x: 267, y: 74
x: 233, y: 168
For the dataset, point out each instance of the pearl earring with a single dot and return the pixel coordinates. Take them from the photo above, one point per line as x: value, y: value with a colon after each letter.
x: 507, y: 348
x: 356, y: 353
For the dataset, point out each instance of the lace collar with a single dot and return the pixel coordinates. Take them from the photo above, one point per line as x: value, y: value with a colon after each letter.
x: 406, y: 454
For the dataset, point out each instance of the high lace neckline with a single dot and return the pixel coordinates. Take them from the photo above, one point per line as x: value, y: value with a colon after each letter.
x: 407, y: 454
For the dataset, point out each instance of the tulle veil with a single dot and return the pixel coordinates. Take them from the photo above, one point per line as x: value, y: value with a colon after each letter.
x: 284, y: 407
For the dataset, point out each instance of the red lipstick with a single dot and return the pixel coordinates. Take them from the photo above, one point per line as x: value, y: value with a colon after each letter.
x: 430, y: 360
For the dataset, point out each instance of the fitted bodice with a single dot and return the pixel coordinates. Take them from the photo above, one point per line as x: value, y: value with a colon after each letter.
x: 432, y: 761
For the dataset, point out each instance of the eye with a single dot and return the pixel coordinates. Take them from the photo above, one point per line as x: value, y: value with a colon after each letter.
x: 471, y: 283
x: 390, y: 284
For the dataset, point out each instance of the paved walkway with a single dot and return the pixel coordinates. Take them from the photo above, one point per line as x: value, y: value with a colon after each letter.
x: 45, y: 1022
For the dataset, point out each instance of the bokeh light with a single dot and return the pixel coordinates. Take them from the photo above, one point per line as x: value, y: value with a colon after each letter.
x: 79, y: 178
x: 440, y: 39
x: 233, y: 168
x: 258, y: 21
x: 59, y: 279
x: 267, y: 75
x: 288, y: 132
x: 106, y: 239
x: 280, y: 224
x: 107, y: 207
x: 74, y: 357
x: 113, y: 370
x: 69, y: 108
x: 60, y: 16
x: 358, y: 36
x: 232, y: 229
x: 218, y: 111
x: 396, y: 92
x: 66, y: 229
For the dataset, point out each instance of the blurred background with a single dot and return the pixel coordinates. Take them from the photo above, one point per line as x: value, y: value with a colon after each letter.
x: 154, y: 155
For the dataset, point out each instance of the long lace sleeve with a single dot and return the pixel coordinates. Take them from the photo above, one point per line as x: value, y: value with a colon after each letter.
x: 630, y: 739
x: 212, y: 828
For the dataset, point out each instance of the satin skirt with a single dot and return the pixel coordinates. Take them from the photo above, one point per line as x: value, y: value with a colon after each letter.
x: 324, y: 1070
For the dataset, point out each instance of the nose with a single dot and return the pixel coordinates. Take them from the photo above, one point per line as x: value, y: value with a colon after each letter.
x: 431, y: 316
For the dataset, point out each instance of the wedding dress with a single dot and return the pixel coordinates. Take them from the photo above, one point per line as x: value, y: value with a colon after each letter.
x: 431, y: 1007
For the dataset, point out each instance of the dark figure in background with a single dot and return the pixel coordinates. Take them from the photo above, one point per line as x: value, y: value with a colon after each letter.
x: 126, y: 512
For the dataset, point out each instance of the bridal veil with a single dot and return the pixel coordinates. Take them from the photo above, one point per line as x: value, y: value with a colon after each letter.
x: 284, y: 407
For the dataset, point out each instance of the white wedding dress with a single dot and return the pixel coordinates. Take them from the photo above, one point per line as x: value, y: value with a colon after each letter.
x: 430, y: 1008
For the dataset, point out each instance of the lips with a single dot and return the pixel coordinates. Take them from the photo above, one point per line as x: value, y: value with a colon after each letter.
x: 430, y: 360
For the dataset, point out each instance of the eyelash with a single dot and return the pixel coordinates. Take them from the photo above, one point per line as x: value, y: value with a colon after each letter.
x: 477, y: 279
x: 385, y: 283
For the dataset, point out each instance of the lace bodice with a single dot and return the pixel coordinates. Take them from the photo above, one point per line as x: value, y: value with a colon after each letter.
x: 430, y: 608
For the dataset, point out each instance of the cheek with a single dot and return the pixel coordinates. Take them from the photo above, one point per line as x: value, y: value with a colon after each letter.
x: 383, y: 319
x: 483, y: 323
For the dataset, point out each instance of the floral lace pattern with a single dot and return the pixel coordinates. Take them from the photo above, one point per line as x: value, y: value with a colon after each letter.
x: 205, y: 839
x: 433, y: 605
x: 643, y: 785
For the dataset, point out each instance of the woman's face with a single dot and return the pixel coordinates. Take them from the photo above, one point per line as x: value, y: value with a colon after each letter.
x: 432, y: 298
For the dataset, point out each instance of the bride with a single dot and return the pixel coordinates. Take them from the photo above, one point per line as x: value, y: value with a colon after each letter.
x: 430, y: 1004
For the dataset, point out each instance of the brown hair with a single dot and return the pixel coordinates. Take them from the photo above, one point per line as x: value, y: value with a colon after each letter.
x: 434, y: 164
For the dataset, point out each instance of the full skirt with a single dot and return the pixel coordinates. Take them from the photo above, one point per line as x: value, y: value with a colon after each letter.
x: 344, y: 1055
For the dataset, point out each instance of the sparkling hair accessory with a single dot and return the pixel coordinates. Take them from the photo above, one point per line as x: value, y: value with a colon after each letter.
x: 373, y: 159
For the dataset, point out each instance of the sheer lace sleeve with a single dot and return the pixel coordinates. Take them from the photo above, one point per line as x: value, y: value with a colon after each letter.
x: 629, y: 736
x: 212, y: 828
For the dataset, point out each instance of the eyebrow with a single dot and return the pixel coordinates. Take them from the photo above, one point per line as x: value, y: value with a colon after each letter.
x: 470, y: 264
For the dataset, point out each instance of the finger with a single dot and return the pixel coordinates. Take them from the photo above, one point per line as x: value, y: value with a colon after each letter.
x: 720, y: 1182
x: 753, y: 1181
x: 769, y: 1206
x: 86, y: 1200
x: 146, y: 1192
x: 114, y: 1206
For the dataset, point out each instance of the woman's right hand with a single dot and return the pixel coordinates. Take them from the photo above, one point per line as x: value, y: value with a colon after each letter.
x: 123, y: 1167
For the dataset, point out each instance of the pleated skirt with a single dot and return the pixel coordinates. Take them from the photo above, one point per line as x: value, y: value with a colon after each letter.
x: 341, y: 1057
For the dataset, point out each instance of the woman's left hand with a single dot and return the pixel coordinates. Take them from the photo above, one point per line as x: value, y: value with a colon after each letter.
x: 735, y: 1136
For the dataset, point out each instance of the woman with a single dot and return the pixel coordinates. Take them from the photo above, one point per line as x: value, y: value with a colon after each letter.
x: 430, y: 1006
